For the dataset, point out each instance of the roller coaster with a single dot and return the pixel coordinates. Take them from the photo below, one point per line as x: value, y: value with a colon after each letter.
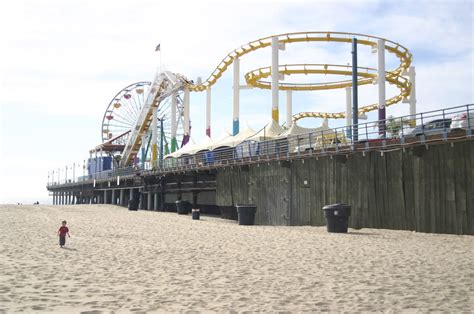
x: 131, y: 119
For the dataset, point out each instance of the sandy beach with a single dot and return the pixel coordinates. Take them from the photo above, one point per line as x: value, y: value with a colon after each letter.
x: 117, y: 260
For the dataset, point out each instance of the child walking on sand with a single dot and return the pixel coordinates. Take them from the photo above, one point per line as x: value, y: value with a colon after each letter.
x: 63, y: 230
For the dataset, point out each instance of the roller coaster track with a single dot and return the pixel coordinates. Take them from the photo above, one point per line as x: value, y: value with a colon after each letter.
x: 166, y: 83
x: 367, y: 75
x: 253, y: 77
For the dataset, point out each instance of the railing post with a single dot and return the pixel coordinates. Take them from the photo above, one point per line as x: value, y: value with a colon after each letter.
x: 298, y: 144
x: 469, y: 129
x: 445, y: 134
x: 402, y: 137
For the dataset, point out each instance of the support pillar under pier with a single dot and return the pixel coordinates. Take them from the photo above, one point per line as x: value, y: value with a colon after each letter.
x: 149, y: 203
x: 141, y: 201
x: 155, y: 201
x: 121, y: 200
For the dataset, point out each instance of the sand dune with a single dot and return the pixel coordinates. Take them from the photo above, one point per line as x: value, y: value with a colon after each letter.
x: 117, y: 260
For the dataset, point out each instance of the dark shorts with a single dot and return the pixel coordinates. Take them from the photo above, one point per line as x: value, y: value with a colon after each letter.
x: 62, y: 240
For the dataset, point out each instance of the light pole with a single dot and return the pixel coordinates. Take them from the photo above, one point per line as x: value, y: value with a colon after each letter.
x: 73, y: 172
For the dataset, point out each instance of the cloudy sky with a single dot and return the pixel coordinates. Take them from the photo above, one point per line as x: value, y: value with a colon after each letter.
x: 61, y: 62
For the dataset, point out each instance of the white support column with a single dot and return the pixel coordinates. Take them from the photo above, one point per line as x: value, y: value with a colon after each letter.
x: 381, y: 84
x: 54, y: 198
x: 208, y: 111
x: 411, y: 77
x: 174, y: 143
x: 154, y: 138
x: 105, y: 197
x: 349, y: 109
x: 381, y: 72
x: 131, y: 194
x: 113, y: 198
x: 186, y: 111
x: 236, y: 100
x: 143, y: 157
x: 289, y: 108
x: 275, y: 79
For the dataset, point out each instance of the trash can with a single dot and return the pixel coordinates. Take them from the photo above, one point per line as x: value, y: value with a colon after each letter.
x: 182, y: 207
x: 337, y: 217
x: 196, y: 213
x: 246, y: 214
x: 133, y: 204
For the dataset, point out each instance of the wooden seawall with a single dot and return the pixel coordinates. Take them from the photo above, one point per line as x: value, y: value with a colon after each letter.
x: 427, y: 189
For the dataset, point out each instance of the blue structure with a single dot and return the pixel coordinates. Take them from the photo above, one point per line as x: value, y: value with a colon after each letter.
x: 99, y: 164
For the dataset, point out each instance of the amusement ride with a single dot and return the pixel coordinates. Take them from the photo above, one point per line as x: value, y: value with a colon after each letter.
x: 147, y: 121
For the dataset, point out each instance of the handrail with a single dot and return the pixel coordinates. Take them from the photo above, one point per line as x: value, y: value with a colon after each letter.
x: 319, y: 143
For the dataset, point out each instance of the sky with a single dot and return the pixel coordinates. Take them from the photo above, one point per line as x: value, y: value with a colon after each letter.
x: 61, y: 63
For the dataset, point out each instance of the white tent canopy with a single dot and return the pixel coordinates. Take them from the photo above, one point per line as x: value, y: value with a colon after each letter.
x: 235, y: 140
x: 298, y: 130
x: 270, y: 131
x: 189, y: 148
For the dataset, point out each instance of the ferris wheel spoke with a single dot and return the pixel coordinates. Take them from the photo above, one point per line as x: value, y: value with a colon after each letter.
x: 128, y: 121
x: 119, y: 126
x: 132, y: 106
x: 131, y: 112
x: 138, y: 106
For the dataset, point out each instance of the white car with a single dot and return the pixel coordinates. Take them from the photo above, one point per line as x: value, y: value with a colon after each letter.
x: 461, y: 121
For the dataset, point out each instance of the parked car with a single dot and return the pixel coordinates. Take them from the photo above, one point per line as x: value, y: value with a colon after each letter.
x: 438, y: 126
x: 461, y: 121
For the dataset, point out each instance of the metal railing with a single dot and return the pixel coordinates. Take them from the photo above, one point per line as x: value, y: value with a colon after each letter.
x: 395, y: 133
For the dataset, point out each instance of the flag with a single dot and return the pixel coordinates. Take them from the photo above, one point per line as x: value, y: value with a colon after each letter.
x: 158, y: 48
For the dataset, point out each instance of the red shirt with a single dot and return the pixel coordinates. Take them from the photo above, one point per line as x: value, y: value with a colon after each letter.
x: 63, y: 231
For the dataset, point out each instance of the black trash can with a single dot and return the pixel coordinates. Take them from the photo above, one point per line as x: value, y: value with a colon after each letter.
x: 337, y: 217
x: 133, y: 204
x: 196, y: 213
x: 182, y: 207
x: 246, y: 214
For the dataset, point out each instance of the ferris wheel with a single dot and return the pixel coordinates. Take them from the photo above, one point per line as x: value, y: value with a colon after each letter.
x: 124, y: 109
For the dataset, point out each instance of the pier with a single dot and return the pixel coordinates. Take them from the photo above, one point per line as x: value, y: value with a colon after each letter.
x: 410, y: 172
x: 407, y: 183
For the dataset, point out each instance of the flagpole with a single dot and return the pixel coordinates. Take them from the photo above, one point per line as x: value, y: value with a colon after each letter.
x: 158, y: 49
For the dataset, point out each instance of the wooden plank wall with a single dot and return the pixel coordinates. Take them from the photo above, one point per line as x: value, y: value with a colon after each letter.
x: 423, y: 189
x: 264, y: 185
